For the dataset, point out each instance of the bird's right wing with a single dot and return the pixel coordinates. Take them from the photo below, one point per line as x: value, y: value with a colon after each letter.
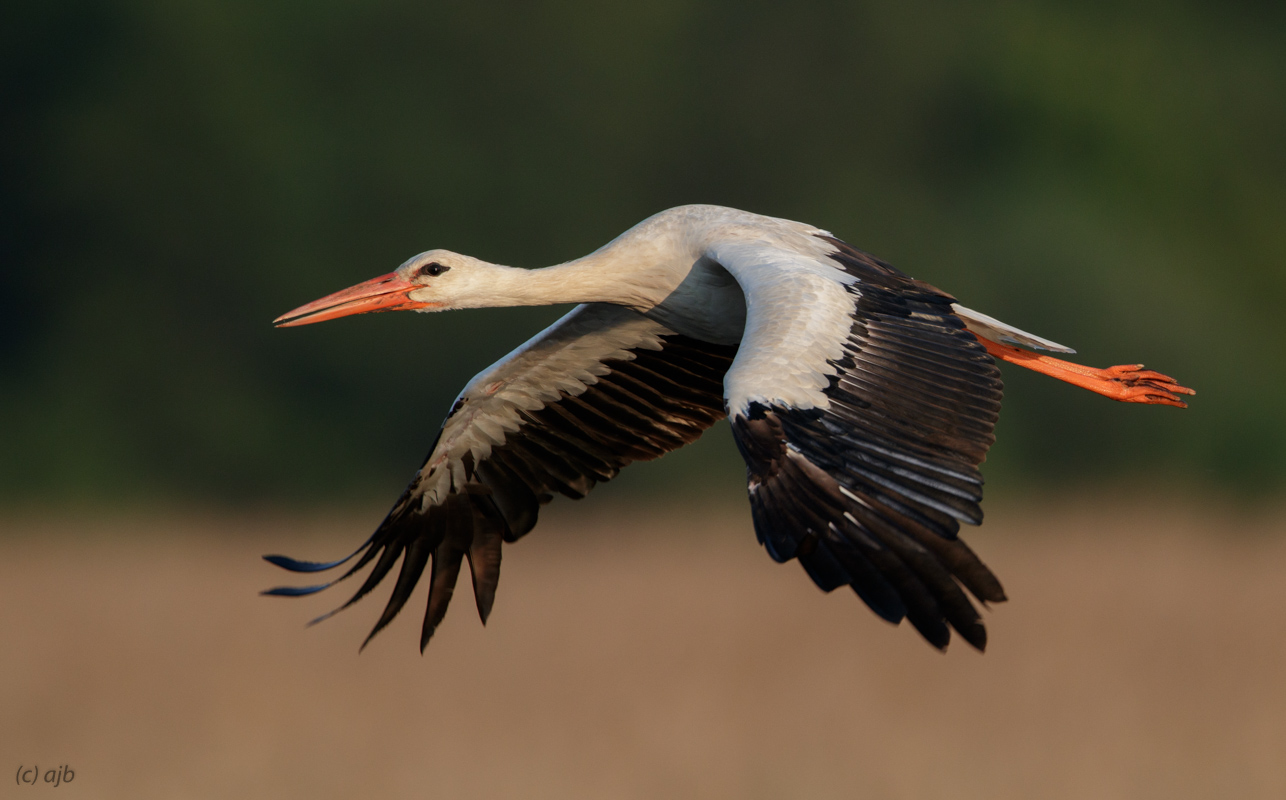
x: 863, y: 407
x: 600, y: 388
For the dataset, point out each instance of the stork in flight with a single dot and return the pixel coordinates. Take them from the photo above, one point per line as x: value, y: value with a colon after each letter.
x: 862, y: 401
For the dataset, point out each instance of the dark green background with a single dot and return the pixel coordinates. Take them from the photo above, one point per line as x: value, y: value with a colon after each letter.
x: 175, y: 174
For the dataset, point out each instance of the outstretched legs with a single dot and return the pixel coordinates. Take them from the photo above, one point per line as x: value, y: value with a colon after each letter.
x: 1129, y: 383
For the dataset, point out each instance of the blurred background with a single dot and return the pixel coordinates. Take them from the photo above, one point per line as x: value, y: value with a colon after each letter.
x: 1110, y: 175
x: 175, y: 175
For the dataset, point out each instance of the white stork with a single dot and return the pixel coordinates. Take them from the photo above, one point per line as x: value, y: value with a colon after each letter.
x: 862, y: 400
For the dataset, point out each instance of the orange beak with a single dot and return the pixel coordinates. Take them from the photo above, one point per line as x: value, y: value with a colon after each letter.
x: 385, y: 293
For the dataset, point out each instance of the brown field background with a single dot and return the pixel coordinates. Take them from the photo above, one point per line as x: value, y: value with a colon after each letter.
x: 636, y: 654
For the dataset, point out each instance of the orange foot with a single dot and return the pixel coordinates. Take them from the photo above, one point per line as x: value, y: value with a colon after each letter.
x: 1129, y: 383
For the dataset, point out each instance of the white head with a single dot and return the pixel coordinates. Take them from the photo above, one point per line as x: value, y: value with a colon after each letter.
x: 436, y: 280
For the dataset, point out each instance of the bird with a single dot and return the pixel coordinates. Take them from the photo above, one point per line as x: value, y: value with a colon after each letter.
x: 862, y: 400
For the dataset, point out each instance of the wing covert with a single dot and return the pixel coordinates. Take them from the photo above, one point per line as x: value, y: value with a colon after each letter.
x: 600, y: 388
x: 866, y: 477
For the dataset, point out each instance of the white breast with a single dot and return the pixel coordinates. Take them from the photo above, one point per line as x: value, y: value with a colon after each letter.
x: 708, y: 305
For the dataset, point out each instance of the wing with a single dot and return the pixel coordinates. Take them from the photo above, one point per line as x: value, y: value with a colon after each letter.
x: 600, y: 388
x: 863, y: 407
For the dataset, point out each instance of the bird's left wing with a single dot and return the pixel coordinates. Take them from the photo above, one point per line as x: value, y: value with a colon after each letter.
x: 600, y: 388
x: 863, y: 407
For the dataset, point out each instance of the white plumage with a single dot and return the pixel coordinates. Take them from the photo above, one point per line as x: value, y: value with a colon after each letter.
x: 862, y: 400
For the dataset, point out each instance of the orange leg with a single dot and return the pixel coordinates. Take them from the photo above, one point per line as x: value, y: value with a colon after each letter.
x: 1129, y: 383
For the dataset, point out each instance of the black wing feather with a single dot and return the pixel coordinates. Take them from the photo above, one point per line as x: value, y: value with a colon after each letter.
x: 870, y: 492
x: 647, y: 403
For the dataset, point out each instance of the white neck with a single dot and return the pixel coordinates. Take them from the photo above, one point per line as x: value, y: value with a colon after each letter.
x: 595, y: 278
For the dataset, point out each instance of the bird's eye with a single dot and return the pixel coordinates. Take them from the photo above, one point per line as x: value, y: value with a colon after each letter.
x: 433, y: 270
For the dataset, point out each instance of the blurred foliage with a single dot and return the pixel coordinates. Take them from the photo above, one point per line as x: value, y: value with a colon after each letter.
x: 176, y: 174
